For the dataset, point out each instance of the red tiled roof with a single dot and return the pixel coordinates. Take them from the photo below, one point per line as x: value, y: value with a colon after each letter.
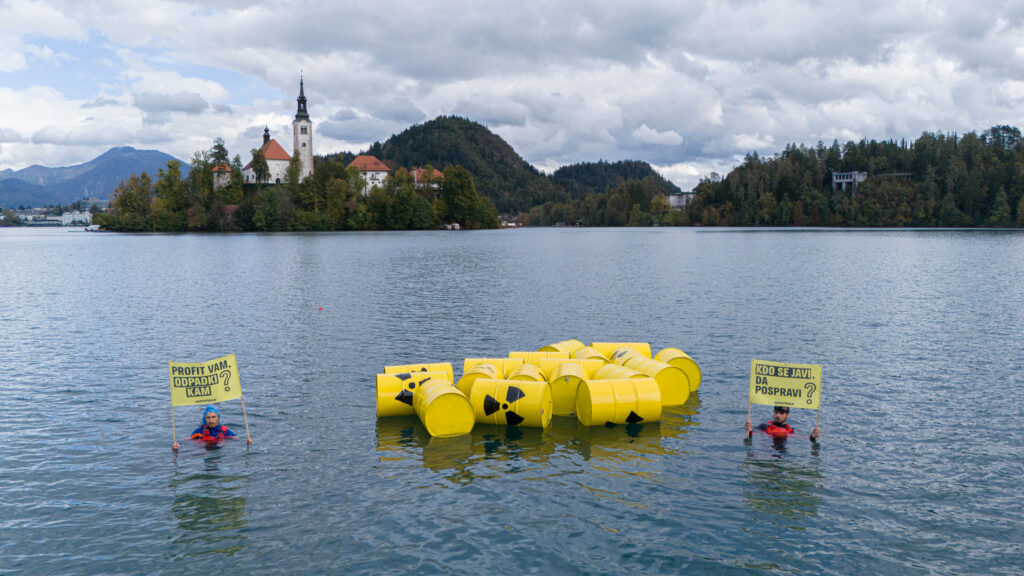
x: 273, y: 151
x: 369, y: 164
x: 417, y: 174
x: 222, y: 168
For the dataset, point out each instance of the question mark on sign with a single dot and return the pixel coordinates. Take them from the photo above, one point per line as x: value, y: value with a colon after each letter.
x: 225, y: 376
x: 811, y: 387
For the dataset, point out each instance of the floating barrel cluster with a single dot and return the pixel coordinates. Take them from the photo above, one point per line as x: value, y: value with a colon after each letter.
x: 603, y: 383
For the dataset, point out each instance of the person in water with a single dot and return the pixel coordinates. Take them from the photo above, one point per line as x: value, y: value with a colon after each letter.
x: 778, y: 427
x: 211, y: 430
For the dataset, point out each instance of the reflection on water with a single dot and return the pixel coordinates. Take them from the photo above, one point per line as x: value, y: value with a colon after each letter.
x: 782, y: 485
x: 210, y: 510
x: 907, y: 323
x: 491, y: 450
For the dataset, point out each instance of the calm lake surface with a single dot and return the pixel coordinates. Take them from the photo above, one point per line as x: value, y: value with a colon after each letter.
x: 919, y: 469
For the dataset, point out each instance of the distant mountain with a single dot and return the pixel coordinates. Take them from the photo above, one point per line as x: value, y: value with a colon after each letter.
x: 14, y: 193
x: 499, y: 172
x: 580, y: 180
x: 39, y: 185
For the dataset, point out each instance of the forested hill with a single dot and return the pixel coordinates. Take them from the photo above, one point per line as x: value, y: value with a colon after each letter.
x: 580, y: 180
x: 499, y: 172
x: 937, y: 180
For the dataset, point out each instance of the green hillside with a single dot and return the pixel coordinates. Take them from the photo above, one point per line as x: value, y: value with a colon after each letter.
x: 499, y: 172
x: 584, y: 179
x: 937, y: 180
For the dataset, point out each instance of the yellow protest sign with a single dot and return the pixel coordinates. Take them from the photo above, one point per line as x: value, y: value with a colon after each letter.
x: 780, y: 384
x: 205, y: 382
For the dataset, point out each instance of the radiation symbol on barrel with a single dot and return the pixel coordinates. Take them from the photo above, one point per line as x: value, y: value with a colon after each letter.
x: 491, y: 405
x: 406, y: 394
x: 633, y: 418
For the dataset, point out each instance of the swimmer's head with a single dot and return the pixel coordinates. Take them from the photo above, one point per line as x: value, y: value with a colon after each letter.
x: 780, y: 414
x: 211, y: 416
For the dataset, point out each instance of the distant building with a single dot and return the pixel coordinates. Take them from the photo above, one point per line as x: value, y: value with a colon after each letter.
x: 276, y: 156
x: 221, y: 176
x: 421, y: 178
x: 841, y: 180
x: 277, y: 162
x: 302, y: 135
x: 372, y: 170
x: 681, y: 200
x: 90, y: 203
x: 76, y: 218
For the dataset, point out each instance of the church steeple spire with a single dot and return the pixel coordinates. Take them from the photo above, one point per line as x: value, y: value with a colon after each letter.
x: 301, y: 113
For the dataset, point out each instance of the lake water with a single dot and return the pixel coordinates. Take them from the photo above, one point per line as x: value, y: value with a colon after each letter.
x: 919, y: 469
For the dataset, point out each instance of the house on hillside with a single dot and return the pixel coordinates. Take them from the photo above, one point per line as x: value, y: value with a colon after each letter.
x: 680, y: 200
x: 422, y: 179
x: 372, y: 170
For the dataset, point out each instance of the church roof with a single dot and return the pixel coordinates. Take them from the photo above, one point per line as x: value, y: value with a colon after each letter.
x: 366, y: 163
x: 271, y: 151
x: 222, y: 168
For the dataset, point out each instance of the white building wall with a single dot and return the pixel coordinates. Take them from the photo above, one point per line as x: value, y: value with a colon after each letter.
x: 278, y: 172
x: 373, y: 179
x: 303, y: 146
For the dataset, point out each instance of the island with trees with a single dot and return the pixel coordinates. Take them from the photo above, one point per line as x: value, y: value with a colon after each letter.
x: 937, y: 180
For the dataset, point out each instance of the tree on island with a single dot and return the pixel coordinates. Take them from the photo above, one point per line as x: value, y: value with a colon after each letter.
x: 328, y: 200
x: 10, y: 218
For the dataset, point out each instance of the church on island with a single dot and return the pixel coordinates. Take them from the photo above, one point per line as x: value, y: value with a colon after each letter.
x: 277, y: 158
x: 372, y: 170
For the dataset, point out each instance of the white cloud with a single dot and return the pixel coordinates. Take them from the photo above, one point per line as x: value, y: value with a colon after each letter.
x: 156, y: 102
x: 685, y: 85
x: 651, y: 136
x: 12, y: 59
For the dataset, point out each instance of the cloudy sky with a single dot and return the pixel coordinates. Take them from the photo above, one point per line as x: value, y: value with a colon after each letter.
x: 689, y: 86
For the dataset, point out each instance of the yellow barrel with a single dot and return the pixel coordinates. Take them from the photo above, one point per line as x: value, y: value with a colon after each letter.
x: 504, y: 365
x: 616, y: 372
x: 607, y: 348
x: 395, y: 391
x: 588, y: 353
x: 674, y: 385
x: 620, y: 355
x: 527, y: 372
x: 443, y: 410
x: 564, y: 380
x: 481, y: 370
x: 511, y: 402
x: 682, y: 360
x: 567, y: 346
x: 625, y: 401
x: 548, y: 365
x: 438, y: 367
x: 535, y: 357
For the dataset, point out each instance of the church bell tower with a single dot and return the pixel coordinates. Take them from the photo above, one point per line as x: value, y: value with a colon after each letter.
x: 302, y: 130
